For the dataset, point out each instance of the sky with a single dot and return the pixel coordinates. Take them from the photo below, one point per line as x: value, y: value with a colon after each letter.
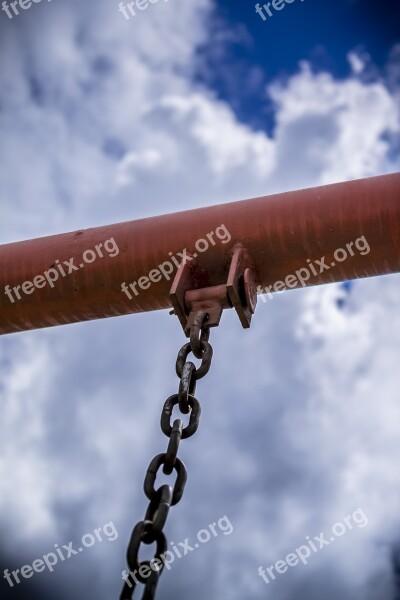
x: 105, y: 119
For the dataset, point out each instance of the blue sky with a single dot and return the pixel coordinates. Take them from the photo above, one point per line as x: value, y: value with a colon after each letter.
x: 189, y: 104
x: 237, y: 65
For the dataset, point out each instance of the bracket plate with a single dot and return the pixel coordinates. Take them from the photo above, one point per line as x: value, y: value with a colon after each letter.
x: 190, y: 291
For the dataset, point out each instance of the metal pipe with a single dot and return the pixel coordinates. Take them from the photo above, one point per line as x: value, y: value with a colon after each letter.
x: 283, y: 233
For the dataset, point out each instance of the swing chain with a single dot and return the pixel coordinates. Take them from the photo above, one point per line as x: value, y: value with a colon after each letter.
x: 150, y: 530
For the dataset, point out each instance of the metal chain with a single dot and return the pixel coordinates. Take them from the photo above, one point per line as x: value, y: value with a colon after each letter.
x: 150, y: 530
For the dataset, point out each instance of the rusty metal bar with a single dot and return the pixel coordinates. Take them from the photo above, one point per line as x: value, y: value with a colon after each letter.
x: 283, y: 233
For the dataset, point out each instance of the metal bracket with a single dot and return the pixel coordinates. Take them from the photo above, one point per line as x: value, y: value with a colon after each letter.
x: 191, y: 293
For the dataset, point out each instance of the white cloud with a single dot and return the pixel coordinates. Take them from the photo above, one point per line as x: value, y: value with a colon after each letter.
x: 344, y: 122
x: 356, y: 62
x: 228, y: 144
x: 147, y: 160
x: 25, y: 486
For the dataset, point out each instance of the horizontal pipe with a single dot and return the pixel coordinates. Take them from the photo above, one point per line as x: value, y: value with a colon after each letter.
x: 283, y: 233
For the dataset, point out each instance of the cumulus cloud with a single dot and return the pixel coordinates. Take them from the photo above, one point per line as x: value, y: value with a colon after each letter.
x: 347, y: 123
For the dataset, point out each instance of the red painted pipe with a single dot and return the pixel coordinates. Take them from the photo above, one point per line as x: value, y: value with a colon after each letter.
x: 42, y: 282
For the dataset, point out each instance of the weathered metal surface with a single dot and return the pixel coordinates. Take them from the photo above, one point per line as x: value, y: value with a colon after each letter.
x: 282, y: 233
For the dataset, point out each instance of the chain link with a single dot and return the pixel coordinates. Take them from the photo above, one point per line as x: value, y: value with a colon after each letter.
x: 150, y: 530
x: 198, y: 333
